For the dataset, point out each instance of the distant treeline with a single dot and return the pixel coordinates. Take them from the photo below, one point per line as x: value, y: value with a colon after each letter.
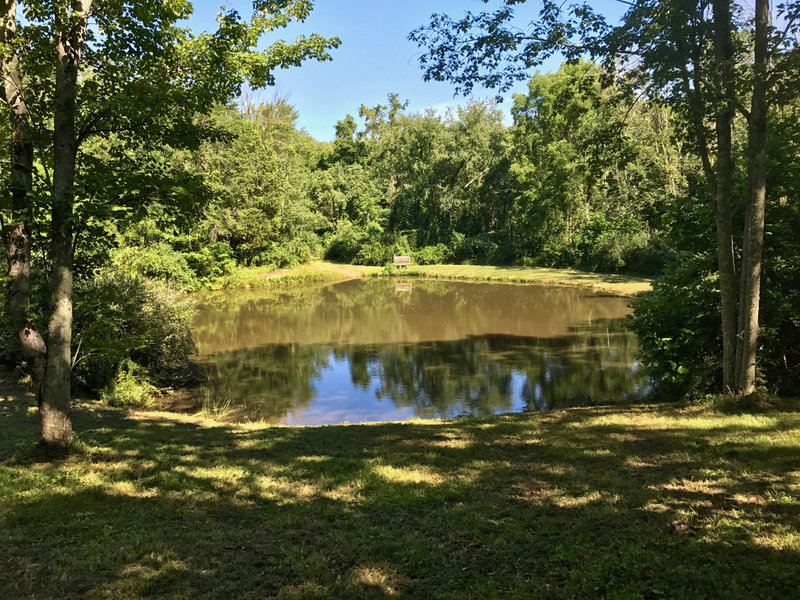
x: 586, y: 177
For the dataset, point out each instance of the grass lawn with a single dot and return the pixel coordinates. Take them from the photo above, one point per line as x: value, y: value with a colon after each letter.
x: 647, y: 502
x: 601, y: 283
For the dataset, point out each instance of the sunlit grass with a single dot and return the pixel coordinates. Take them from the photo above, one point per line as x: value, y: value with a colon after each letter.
x: 596, y: 502
x: 264, y: 277
x: 603, y: 283
x: 320, y: 271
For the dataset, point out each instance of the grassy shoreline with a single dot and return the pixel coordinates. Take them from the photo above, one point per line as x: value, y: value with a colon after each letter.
x: 650, y: 501
x: 598, y: 283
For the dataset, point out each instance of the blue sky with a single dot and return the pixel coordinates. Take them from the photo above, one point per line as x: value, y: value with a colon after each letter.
x: 375, y: 57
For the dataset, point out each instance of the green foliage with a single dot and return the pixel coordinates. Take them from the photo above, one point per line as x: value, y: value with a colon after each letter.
x: 445, y: 188
x: 158, y: 261
x: 291, y: 253
x: 343, y: 244
x: 129, y: 388
x: 779, y: 361
x: 677, y: 325
x: 370, y: 246
x: 592, y: 183
x: 621, y: 244
x: 191, y: 189
x: 432, y: 255
x: 211, y: 261
x: 481, y: 249
x: 121, y: 320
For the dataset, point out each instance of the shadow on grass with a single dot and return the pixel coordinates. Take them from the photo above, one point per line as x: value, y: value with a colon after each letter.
x: 583, y: 503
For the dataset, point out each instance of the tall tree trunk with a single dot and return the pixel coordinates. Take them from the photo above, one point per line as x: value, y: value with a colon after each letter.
x: 19, y: 240
x: 723, y: 50
x: 56, y: 426
x: 753, y: 241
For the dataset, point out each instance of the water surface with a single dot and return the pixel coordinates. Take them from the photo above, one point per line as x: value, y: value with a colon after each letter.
x: 378, y: 350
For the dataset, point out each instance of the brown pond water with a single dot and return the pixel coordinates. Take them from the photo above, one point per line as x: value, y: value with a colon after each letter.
x: 379, y: 350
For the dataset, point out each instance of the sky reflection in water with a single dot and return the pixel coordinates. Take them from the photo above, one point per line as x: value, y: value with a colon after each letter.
x: 369, y: 350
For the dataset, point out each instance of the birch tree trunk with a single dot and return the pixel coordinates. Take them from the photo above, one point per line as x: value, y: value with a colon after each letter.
x: 56, y: 426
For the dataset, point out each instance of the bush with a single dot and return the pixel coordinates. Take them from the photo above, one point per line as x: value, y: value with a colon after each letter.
x: 620, y: 245
x: 129, y: 388
x: 433, y: 255
x: 373, y: 253
x: 158, y: 261
x: 121, y: 320
x: 679, y: 331
x: 779, y: 358
x: 290, y: 253
x: 344, y: 243
x: 369, y: 247
x: 211, y: 261
x: 481, y: 249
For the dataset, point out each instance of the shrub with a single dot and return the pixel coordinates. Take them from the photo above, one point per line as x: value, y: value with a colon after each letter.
x: 678, y: 329
x: 344, y: 243
x: 481, y: 249
x: 289, y: 254
x: 369, y: 247
x: 120, y: 320
x: 130, y: 387
x: 211, y: 261
x: 624, y: 244
x: 157, y: 261
x: 433, y: 255
x: 372, y: 252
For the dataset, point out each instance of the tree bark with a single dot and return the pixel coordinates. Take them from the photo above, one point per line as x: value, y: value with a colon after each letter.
x: 723, y: 50
x: 31, y: 343
x: 753, y: 240
x: 56, y: 426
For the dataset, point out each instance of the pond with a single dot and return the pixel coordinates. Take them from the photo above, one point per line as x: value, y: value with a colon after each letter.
x: 383, y: 350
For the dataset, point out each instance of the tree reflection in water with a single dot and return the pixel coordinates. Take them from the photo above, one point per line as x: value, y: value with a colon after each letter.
x: 365, y: 354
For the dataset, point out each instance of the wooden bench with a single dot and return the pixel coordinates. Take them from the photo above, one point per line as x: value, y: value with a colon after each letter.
x: 401, y: 261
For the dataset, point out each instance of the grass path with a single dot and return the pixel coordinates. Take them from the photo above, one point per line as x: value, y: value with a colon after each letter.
x: 603, y: 283
x: 647, y: 502
x: 600, y: 283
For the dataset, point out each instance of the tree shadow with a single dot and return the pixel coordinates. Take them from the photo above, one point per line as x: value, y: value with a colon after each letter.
x: 573, y: 504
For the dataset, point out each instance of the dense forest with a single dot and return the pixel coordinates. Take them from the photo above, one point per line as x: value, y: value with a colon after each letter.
x: 180, y: 182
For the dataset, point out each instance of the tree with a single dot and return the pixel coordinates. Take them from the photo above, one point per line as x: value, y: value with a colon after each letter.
x: 704, y: 57
x: 595, y: 169
x: 136, y: 73
x: 18, y: 235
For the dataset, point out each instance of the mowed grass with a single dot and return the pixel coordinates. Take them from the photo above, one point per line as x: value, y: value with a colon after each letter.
x: 645, y: 502
x: 600, y: 283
